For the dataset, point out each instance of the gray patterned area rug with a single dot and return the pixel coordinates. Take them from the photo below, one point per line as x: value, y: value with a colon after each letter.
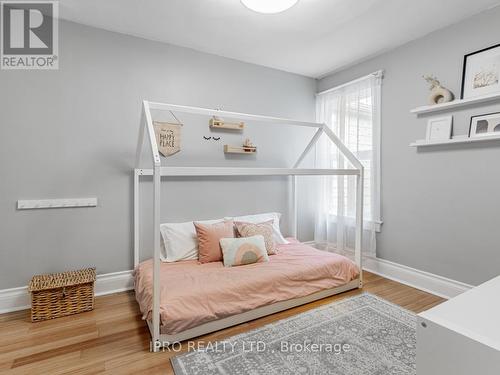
x: 362, y: 335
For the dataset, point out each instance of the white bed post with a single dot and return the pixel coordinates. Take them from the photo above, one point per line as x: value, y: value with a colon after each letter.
x: 359, y: 198
x: 156, y: 259
x: 359, y: 224
x: 140, y: 143
x: 309, y: 146
x: 295, y: 223
x: 156, y: 226
x: 137, y: 240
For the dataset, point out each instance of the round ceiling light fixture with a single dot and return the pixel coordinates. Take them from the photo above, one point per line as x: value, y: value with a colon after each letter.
x: 269, y: 6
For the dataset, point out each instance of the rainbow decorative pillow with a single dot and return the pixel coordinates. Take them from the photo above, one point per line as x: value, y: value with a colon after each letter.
x: 244, y: 250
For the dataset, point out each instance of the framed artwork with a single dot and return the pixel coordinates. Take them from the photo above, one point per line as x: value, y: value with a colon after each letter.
x: 439, y: 128
x: 485, y: 125
x: 481, y: 74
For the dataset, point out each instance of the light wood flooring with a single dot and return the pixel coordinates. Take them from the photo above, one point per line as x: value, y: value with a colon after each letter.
x: 113, y: 339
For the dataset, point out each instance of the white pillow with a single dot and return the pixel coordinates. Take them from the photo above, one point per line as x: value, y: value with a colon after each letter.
x: 260, y: 218
x: 180, y: 241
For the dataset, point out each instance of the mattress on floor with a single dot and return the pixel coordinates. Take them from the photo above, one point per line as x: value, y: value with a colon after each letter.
x: 193, y: 294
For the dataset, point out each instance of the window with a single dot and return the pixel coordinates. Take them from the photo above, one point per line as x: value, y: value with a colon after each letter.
x: 353, y: 113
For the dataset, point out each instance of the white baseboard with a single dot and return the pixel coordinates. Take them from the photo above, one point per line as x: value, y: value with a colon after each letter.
x: 115, y: 282
x: 426, y: 281
x: 14, y: 299
x: 18, y: 298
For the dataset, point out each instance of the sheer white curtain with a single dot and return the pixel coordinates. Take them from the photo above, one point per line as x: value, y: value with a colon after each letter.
x: 352, y: 111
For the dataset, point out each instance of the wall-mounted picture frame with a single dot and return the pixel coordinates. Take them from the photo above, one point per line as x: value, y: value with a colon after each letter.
x: 485, y: 125
x: 439, y: 128
x: 481, y: 73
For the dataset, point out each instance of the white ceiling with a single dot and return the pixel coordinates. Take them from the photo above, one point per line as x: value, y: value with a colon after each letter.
x: 313, y: 38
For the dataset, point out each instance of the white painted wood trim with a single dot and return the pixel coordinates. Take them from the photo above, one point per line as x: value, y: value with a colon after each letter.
x: 377, y: 74
x: 377, y: 225
x: 151, y: 136
x: 342, y: 148
x: 455, y: 104
x: 242, y: 171
x: 309, y: 146
x: 115, y: 282
x: 156, y: 253
x: 140, y: 139
x: 15, y: 299
x: 295, y: 207
x: 426, y: 281
x: 358, y: 242
x: 231, y: 115
x: 455, y: 141
x: 33, y: 204
x: 422, y: 280
x: 137, y: 227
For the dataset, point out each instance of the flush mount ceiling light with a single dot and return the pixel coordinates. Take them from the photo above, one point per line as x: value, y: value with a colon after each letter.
x: 269, y: 6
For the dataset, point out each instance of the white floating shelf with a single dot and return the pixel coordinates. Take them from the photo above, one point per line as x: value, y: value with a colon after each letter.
x: 55, y: 203
x: 453, y: 141
x: 455, y: 104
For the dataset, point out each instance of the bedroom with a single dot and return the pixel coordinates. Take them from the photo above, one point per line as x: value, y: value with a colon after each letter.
x: 69, y: 199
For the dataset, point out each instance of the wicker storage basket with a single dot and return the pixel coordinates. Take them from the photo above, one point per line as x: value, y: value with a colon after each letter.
x: 61, y: 294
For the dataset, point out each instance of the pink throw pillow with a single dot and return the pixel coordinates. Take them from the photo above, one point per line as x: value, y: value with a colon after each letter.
x: 209, y: 236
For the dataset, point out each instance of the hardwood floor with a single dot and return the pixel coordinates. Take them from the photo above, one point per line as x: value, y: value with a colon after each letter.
x: 113, y: 339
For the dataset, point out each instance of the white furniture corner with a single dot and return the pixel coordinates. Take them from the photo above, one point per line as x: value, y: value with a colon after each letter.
x: 146, y: 130
x: 462, y: 336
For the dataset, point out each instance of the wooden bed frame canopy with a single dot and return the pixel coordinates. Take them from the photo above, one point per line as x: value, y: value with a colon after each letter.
x: 157, y: 171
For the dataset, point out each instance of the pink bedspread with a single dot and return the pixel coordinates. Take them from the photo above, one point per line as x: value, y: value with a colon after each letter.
x: 193, y: 293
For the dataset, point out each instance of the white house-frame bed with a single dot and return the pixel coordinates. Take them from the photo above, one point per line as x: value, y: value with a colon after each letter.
x: 157, y: 171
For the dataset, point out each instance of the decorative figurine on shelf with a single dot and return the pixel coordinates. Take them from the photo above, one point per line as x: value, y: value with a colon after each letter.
x: 248, y: 145
x: 439, y: 94
x: 218, y: 121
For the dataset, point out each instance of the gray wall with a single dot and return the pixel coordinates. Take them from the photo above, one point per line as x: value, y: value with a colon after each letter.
x: 72, y: 133
x: 440, y: 206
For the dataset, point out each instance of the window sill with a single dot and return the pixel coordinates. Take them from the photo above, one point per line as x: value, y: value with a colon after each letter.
x: 378, y: 226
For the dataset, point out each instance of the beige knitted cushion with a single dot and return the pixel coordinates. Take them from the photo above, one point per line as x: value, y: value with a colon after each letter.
x: 264, y: 229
